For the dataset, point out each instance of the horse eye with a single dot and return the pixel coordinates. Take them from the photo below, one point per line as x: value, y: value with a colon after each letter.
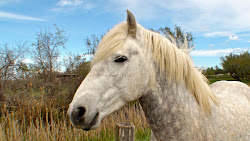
x: 121, y: 59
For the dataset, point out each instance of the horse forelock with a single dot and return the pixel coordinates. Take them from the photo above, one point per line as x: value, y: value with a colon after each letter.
x: 111, y: 42
x: 172, y: 61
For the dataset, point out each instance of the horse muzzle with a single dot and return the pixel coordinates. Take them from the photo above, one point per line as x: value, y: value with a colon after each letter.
x: 82, y: 118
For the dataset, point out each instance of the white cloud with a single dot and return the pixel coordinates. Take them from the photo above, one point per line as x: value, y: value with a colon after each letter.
x: 211, y: 45
x: 215, y: 34
x: 244, y: 34
x: 233, y: 37
x: 88, y: 6
x: 229, y: 16
x: 66, y: 5
x: 3, y: 2
x: 213, y: 14
x: 69, y: 3
x: 226, y: 34
x: 28, y: 61
x: 88, y: 57
x: 218, y: 52
x: 7, y: 15
x: 195, y: 15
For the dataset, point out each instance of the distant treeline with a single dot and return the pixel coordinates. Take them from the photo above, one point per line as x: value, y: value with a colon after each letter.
x: 237, y: 65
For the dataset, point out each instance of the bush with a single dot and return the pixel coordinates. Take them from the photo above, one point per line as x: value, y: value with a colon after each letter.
x: 238, y: 66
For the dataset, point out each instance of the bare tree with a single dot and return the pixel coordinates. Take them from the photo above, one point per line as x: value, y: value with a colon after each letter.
x: 76, y: 64
x: 92, y: 43
x: 10, y: 59
x: 46, y: 52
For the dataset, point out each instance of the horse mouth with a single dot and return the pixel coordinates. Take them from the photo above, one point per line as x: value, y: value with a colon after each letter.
x: 92, y: 123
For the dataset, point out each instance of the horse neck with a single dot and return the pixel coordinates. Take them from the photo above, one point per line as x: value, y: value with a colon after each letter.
x: 169, y: 109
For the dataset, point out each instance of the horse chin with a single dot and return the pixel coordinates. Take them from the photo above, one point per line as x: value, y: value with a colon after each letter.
x: 95, y: 123
x: 91, y: 128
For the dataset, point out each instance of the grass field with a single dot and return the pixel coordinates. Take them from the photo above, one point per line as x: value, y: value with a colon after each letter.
x: 35, y: 118
x: 214, y: 78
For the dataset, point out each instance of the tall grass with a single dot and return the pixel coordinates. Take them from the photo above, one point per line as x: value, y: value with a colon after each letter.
x: 32, y: 119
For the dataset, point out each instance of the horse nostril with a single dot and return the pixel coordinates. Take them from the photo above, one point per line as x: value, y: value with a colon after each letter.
x: 81, y: 112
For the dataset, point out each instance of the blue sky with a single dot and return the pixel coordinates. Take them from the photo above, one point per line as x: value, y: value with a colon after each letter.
x: 219, y: 26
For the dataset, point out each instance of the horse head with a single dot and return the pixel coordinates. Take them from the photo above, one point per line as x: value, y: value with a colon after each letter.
x: 120, y: 73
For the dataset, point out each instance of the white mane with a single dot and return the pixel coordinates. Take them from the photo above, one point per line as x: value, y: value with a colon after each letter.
x: 174, y: 62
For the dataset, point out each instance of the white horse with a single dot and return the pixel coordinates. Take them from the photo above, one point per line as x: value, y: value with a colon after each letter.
x: 132, y: 63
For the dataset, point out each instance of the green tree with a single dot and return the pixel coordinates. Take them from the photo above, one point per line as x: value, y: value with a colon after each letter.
x: 217, y: 70
x: 178, y: 34
x: 210, y: 71
x: 238, y: 66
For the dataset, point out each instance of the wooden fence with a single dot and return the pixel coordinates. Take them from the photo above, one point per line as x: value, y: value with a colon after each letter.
x: 124, y: 132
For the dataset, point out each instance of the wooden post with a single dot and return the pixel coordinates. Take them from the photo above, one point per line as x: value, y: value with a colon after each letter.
x: 124, y: 132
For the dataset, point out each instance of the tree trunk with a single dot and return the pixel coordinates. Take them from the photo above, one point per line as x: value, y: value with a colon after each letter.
x: 2, y: 97
x: 235, y: 76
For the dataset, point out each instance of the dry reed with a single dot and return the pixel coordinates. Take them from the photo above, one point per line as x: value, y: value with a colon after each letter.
x: 39, y: 120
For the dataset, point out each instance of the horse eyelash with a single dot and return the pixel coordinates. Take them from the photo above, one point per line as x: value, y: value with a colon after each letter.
x: 120, y: 59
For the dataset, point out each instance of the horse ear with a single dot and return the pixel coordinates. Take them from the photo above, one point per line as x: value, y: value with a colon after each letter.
x: 132, y: 25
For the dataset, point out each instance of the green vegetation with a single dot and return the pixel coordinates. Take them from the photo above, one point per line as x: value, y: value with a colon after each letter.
x: 178, y: 34
x: 142, y: 134
x: 227, y: 77
x: 214, y: 71
x: 214, y: 78
x: 238, y: 66
x: 235, y: 68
